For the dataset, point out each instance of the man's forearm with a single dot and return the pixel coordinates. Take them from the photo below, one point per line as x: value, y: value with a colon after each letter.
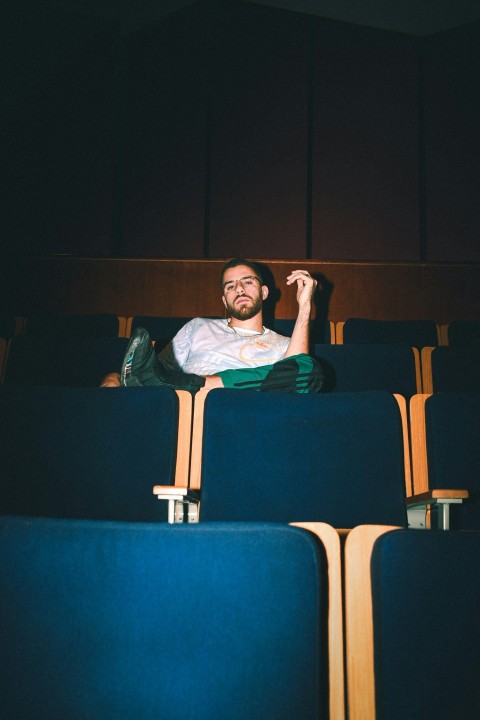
x: 300, y: 340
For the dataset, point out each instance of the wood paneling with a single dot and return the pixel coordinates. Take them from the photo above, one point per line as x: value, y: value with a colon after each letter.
x: 386, y: 291
x: 237, y: 129
x: 162, y: 170
x: 259, y: 134
x: 453, y: 145
x: 365, y: 154
x: 58, y: 104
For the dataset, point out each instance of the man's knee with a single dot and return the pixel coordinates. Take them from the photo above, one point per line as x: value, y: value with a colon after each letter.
x: 297, y: 373
x: 213, y: 381
x: 111, y: 380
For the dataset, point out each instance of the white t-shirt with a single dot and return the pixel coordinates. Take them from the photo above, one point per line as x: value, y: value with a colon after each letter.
x: 206, y: 346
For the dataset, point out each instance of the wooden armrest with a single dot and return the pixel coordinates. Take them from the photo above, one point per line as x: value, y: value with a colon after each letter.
x: 177, y: 493
x: 442, y: 498
x: 174, y: 492
x: 170, y: 490
x: 437, y: 496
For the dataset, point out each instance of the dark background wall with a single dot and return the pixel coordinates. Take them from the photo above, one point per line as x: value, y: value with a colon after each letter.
x: 58, y: 136
x: 235, y: 129
x: 452, y: 145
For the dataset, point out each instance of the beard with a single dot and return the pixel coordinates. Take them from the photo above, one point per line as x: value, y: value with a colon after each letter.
x: 245, y: 312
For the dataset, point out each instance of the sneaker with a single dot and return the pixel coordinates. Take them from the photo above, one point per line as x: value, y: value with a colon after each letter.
x: 138, y: 359
x: 142, y: 368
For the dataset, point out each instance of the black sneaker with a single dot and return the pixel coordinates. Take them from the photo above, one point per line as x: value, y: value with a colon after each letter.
x: 138, y: 359
x: 142, y: 368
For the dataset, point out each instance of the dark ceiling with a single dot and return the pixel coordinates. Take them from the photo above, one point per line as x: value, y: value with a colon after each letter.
x: 413, y: 17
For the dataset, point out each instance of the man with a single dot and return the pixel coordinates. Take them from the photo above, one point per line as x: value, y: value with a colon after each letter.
x: 236, y: 352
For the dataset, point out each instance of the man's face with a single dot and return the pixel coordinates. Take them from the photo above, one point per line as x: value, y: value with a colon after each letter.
x: 243, y: 293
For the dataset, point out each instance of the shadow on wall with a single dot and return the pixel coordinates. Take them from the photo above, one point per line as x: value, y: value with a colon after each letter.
x: 321, y: 301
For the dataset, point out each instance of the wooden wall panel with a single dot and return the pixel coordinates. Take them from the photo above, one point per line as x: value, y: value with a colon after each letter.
x: 453, y: 145
x: 365, y: 145
x: 216, y: 131
x: 259, y: 134
x: 386, y: 291
x: 58, y: 106
x: 162, y: 170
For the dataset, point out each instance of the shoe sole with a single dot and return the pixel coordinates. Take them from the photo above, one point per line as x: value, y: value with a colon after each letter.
x: 126, y: 377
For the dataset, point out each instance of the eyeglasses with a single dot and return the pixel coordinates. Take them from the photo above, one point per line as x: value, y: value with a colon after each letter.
x: 246, y: 281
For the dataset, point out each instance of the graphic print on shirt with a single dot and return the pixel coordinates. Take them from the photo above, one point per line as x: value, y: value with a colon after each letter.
x: 205, y: 346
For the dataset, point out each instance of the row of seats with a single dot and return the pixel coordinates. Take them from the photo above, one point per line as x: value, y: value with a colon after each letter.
x: 412, y: 629
x: 237, y: 606
x: 394, y: 367
x: 346, y: 458
x: 66, y: 325
x: 340, y: 458
x: 90, y: 452
x: 399, y: 368
x: 226, y: 621
x: 162, y: 329
x: 416, y: 333
x: 62, y: 361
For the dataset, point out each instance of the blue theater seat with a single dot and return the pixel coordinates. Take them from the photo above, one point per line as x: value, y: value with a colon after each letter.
x: 446, y: 450
x: 339, y: 458
x: 72, y: 361
x: 394, y: 367
x: 65, y: 326
x: 450, y: 369
x: 8, y: 325
x: 3, y: 355
x: 464, y: 333
x: 412, y: 624
x: 110, y: 620
x: 91, y: 452
x: 416, y: 333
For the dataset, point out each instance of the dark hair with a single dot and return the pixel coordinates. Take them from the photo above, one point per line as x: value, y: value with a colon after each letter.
x: 241, y: 261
